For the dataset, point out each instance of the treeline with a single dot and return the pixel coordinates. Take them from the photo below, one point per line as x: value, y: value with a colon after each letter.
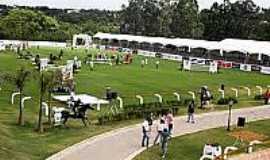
x: 42, y: 23
x: 182, y: 18
x: 178, y: 18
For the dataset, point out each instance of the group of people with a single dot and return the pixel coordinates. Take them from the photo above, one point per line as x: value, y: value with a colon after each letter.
x: 164, y: 131
x: 164, y: 128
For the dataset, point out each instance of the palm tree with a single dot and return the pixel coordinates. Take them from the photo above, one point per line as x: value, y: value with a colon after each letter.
x: 20, y: 79
x: 48, y: 79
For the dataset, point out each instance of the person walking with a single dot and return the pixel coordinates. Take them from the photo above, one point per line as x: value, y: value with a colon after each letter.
x: 169, y: 119
x: 164, y: 143
x: 145, y: 131
x: 160, y: 128
x: 191, y: 110
x: 266, y: 96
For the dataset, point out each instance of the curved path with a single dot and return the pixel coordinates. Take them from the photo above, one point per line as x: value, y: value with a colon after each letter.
x: 124, y: 144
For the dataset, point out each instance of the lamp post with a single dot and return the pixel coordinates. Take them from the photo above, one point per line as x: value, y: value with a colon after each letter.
x: 230, y: 115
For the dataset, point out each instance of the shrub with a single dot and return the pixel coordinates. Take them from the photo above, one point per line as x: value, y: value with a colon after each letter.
x: 225, y: 101
x: 258, y: 97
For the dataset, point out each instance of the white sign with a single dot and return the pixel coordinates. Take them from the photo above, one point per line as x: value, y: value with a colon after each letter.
x: 265, y: 70
x: 146, y: 53
x: 213, y: 67
x: 245, y: 67
x: 172, y: 57
x: 187, y: 65
x: 44, y: 63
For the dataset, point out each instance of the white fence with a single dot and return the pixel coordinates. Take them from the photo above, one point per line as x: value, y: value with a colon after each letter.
x: 34, y: 43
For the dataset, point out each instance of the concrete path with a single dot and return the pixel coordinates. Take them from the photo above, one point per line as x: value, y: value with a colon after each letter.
x: 124, y: 144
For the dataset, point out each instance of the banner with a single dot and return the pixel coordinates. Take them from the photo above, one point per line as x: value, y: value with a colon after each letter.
x: 172, y: 57
x: 265, y: 70
x: 187, y: 65
x: 245, y: 67
x: 146, y: 53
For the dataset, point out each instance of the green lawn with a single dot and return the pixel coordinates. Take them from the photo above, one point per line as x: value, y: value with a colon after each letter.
x: 129, y: 80
x: 190, y: 147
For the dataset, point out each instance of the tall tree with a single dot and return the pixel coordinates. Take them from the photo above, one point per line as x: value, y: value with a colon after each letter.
x: 165, y: 17
x: 185, y: 19
x: 19, y: 79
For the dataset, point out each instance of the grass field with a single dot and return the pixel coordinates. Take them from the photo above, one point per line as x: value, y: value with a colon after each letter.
x: 129, y: 80
x: 190, y: 147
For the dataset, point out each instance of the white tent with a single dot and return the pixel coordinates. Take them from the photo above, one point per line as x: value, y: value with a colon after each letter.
x: 191, y: 43
x: 228, y: 45
x: 245, y: 46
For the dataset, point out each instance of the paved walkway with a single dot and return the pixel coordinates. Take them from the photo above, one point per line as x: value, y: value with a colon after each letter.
x: 124, y: 144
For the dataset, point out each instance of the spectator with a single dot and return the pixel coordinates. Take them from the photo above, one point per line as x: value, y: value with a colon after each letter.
x: 164, y: 145
x: 145, y: 130
x: 157, y: 64
x: 160, y: 128
x: 169, y: 120
x: 266, y: 96
x: 142, y: 63
x: 191, y: 110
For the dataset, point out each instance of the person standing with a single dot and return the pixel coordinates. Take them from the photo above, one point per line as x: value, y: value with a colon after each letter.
x: 191, y: 110
x: 157, y: 65
x: 145, y: 131
x: 142, y: 63
x: 169, y: 119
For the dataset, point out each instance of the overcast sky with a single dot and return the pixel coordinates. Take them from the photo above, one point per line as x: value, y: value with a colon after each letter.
x: 101, y: 4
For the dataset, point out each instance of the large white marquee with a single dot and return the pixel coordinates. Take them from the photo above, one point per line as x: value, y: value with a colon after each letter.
x: 228, y: 45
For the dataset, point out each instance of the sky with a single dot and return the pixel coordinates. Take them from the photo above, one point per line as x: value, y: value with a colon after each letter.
x: 101, y: 4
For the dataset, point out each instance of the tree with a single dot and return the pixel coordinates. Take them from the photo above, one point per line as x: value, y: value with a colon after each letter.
x: 185, y: 20
x: 165, y: 17
x: 48, y: 80
x: 19, y: 80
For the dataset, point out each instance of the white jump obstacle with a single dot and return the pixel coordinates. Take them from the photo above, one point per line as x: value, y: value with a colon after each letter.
x: 140, y: 99
x: 227, y: 150
x: 192, y: 94
x: 260, y: 89
x: 222, y: 92
x: 248, y: 91
x: 45, y: 108
x: 211, y: 152
x: 57, y: 115
x: 121, y: 103
x: 159, y: 97
x: 13, y: 96
x: 235, y: 91
x: 251, y: 144
x: 25, y: 99
x: 206, y: 157
x: 177, y: 95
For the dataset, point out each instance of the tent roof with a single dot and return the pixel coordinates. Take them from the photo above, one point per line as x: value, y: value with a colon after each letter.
x: 229, y: 45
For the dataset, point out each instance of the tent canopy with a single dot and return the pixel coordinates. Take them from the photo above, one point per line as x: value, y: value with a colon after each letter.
x: 228, y: 45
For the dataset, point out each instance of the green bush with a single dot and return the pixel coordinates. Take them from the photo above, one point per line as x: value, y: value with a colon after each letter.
x: 225, y: 101
x: 258, y: 97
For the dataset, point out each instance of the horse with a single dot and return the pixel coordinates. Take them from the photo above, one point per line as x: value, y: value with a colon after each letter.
x: 79, y: 114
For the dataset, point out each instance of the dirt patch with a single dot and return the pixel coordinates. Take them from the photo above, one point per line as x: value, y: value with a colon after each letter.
x: 248, y: 136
